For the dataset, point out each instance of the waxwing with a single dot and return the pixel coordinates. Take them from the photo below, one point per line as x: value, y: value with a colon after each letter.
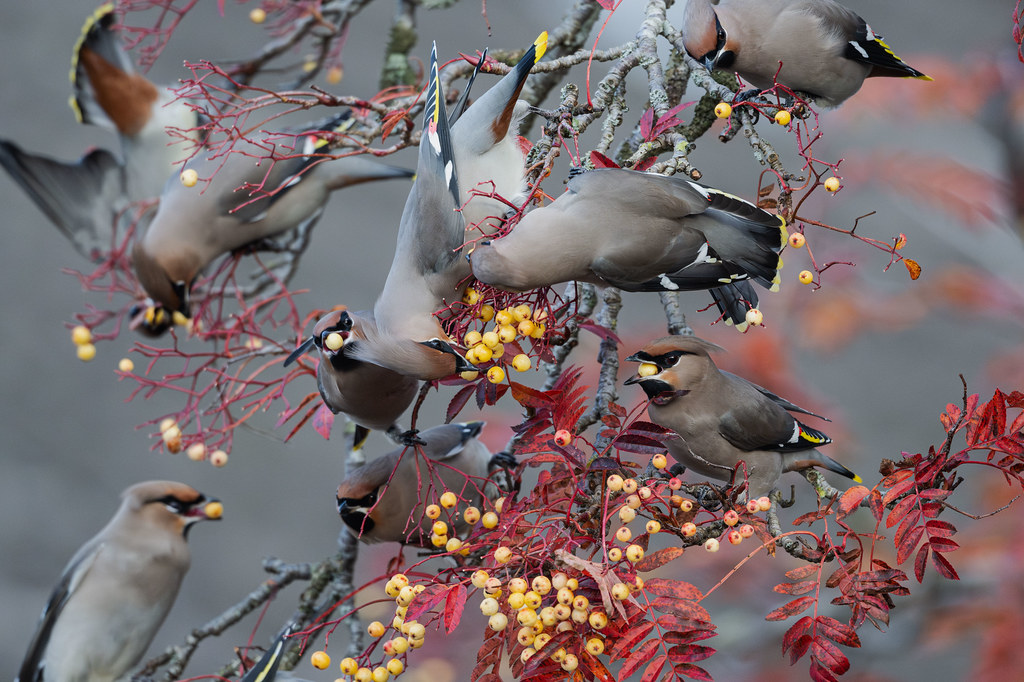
x: 427, y: 271
x: 118, y: 588
x: 83, y: 199
x: 384, y: 500
x: 195, y: 225
x: 373, y: 397
x: 720, y: 418
x: 641, y: 232
x: 825, y: 49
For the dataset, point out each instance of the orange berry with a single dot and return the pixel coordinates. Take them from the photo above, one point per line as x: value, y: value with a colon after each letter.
x: 320, y: 660
x: 731, y: 518
x: 783, y: 117
x: 689, y: 529
x: 432, y: 511
x: 659, y: 461
x: 723, y: 110
x: 805, y: 277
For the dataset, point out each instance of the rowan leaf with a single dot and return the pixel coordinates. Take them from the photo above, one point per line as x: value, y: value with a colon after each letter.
x: 454, y: 604
x: 664, y: 587
x: 638, y: 657
x: 626, y: 641
x: 913, y: 267
x: 323, y: 420
x: 458, y: 401
x: 658, y: 559
x: 790, y: 609
x: 653, y: 669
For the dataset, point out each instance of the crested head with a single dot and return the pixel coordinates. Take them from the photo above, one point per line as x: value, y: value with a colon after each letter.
x: 704, y: 36
x: 672, y: 366
x: 167, y: 504
x: 687, y: 344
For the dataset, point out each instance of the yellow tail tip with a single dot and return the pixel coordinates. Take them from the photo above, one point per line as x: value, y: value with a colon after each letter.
x: 923, y: 77
x: 541, y: 45
x: 857, y: 479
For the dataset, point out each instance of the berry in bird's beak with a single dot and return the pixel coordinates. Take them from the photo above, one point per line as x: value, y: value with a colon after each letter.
x: 648, y: 369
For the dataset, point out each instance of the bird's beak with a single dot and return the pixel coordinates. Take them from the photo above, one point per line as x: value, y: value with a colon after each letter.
x: 306, y: 346
x: 635, y: 357
x: 708, y: 63
x: 464, y: 365
x: 635, y: 379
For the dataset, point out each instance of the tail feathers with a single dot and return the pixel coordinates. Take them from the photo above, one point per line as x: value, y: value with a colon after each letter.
x: 734, y: 300
x: 463, y: 103
x: 98, y: 43
x: 747, y: 237
x: 798, y: 461
x: 81, y: 199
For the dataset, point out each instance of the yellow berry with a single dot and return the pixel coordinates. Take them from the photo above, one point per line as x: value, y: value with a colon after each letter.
x: 525, y: 636
x: 653, y: 526
x: 565, y: 596
x: 506, y: 333
x: 471, y: 515
x: 349, y: 666
x: 711, y: 545
x: 541, y: 640
x: 448, y: 500
x: 218, y: 458
x: 572, y: 584
x: 178, y: 318
x: 832, y: 184
x: 521, y: 312
x: 526, y: 328
x: 783, y: 117
x: 578, y: 616
x: 734, y: 537
x: 633, y: 502
x: 503, y: 318
x: 558, y: 580
x: 399, y: 645
x: 533, y: 599
x: 80, y: 335
x: 483, y: 354
x: 806, y: 277
x: 320, y: 660
x: 257, y: 15
x: 472, y: 338
x: 620, y: 591
x: 562, y: 611
x: 797, y: 239
x: 380, y: 674
x: 521, y: 362
x: 648, y: 369
x: 363, y: 675
x: 86, y: 352
x: 615, y: 554
x: 629, y: 486
x: 486, y: 313
x: 432, y: 511
x: 754, y: 317
x: 528, y: 653
x: 189, y: 177
x: 498, y: 622
x: 196, y: 452
x: 686, y: 505
x: 516, y: 600
x: 395, y: 667
x: 598, y: 620
x: 469, y: 375
x: 126, y: 365
x: 526, y: 617
x: 405, y: 596
x: 498, y: 351
x: 595, y: 645
x: 417, y: 631
x: 167, y: 423
x: 518, y: 585
x: 490, y: 339
x: 659, y: 461
x: 538, y: 331
x: 689, y: 529
x: 400, y: 579
x: 502, y: 555
x: 624, y: 534
x: 644, y: 492
x: 453, y: 545
x: 548, y: 616
x: 334, y: 341
x: 471, y: 296
x: 495, y: 375
x: 335, y: 74
x: 570, y: 663
x: 723, y: 110
x: 559, y: 655
x: 375, y: 629
x: 479, y: 579
x: 439, y: 528
x: 213, y: 510
x: 489, y: 520
x: 634, y: 553
x: 541, y: 585
x: 614, y: 483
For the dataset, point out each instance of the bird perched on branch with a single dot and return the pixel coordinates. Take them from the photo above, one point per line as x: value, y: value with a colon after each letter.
x: 641, y: 232
x: 825, y: 49
x: 487, y: 152
x: 262, y: 188
x: 373, y: 397
x: 384, y: 499
x: 84, y: 199
x: 426, y: 270
x: 118, y: 588
x: 720, y: 419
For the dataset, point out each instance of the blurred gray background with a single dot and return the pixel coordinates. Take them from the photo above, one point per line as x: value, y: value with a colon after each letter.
x: 71, y: 442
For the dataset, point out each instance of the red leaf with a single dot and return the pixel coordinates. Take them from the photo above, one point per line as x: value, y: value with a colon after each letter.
x: 799, y: 649
x: 606, y: 4
x: 654, y: 669
x: 684, y: 608
x: 647, y: 125
x: 850, y: 500
x: 829, y: 655
x: 454, y: 604
x: 694, y: 672
x: 791, y: 609
x: 531, y: 397
x: 603, y: 333
x: 658, y: 559
x: 601, y: 161
x: 940, y: 528
x: 458, y: 402
x: 689, y: 653
x: 943, y: 566
x: 802, y: 572
x: 639, y: 444
x: 943, y: 545
x: 646, y: 163
x: 920, y: 561
x: 837, y: 631
x: 624, y: 643
x: 426, y: 600
x: 664, y: 587
x: 913, y: 267
x: 646, y: 427
x: 685, y: 632
x: 821, y: 674
x: 641, y: 655
x: 901, y: 509
x: 323, y: 420
x: 796, y: 631
x: 802, y: 587
x: 909, y: 544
